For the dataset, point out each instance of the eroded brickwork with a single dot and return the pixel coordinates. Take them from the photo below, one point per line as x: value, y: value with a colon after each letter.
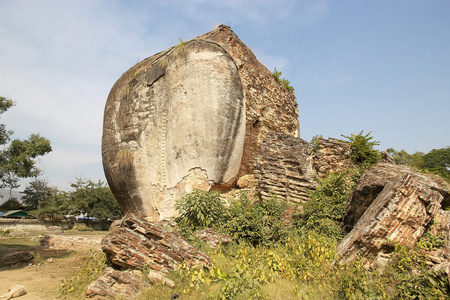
x: 399, y: 214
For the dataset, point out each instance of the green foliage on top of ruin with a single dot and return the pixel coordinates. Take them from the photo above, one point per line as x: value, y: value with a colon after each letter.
x: 362, y: 148
x: 286, y: 83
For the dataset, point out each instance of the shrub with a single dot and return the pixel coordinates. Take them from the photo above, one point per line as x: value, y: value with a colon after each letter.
x: 412, y: 279
x: 314, y: 143
x: 200, y: 209
x: 362, y: 148
x: 324, y: 211
x: 260, y: 223
x: 286, y: 83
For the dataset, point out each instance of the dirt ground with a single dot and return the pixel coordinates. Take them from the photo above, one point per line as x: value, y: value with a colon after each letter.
x: 41, y: 281
x: 42, y: 277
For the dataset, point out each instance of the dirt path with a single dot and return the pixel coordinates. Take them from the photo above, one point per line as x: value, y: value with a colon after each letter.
x: 40, y: 281
x: 60, y: 258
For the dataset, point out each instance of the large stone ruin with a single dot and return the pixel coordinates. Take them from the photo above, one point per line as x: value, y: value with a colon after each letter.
x: 206, y: 114
x: 192, y: 116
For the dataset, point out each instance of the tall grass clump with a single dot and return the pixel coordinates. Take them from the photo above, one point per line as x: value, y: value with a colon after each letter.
x: 75, y: 284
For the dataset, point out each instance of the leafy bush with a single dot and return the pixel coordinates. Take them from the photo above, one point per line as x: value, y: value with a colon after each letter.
x: 324, y: 211
x: 430, y: 241
x: 412, y: 279
x: 260, y: 223
x: 314, y: 143
x: 200, y: 209
x: 362, y: 148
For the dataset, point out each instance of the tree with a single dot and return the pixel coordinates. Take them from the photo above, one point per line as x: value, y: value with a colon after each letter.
x: 55, y: 204
x: 438, y: 161
x: 93, y: 199
x: 36, y: 192
x: 18, y: 158
x: 362, y: 147
x: 404, y: 158
x: 11, y: 204
x: 5, y: 104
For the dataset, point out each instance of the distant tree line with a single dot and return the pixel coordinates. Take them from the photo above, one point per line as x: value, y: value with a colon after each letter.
x: 436, y: 161
x: 18, y: 160
x: 89, y: 198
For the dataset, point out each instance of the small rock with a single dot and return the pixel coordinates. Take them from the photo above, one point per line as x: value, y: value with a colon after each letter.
x: 429, y: 264
x: 246, y: 181
x: 16, y: 291
x: 154, y: 277
x: 435, y: 259
x: 212, y: 237
x: 116, y: 284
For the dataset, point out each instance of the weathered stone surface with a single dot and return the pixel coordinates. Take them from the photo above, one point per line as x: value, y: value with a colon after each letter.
x: 331, y: 155
x: 283, y: 168
x: 399, y: 214
x: 155, y: 277
x: 135, y: 243
x: 74, y: 243
x: 246, y: 182
x: 212, y: 237
x: 373, y: 181
x: 16, y: 257
x: 190, y: 117
x: 270, y: 107
x: 112, y: 284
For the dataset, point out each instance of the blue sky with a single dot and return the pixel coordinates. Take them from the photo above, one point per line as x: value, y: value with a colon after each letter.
x: 380, y: 66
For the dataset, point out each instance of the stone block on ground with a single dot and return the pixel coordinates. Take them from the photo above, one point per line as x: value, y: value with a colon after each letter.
x: 113, y: 284
x: 373, y: 181
x: 16, y: 257
x: 14, y: 292
x: 331, y: 155
x: 399, y: 214
x: 137, y: 243
x: 155, y: 277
